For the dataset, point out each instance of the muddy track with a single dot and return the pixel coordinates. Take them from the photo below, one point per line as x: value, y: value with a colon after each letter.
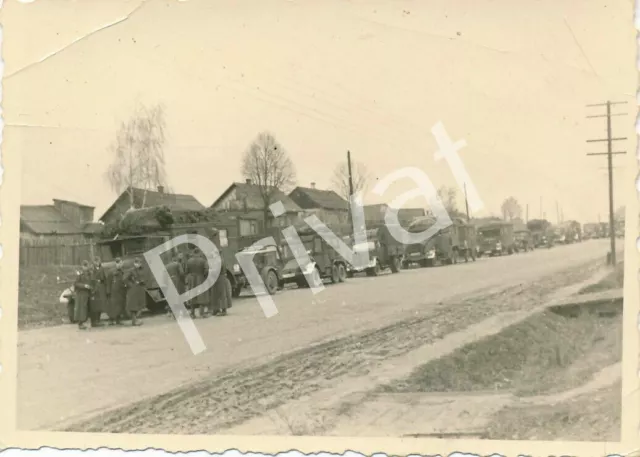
x: 209, y: 406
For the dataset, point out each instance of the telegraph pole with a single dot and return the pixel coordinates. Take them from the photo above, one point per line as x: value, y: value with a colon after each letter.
x: 466, y: 201
x: 541, y: 208
x: 609, y: 139
x: 350, y: 190
x: 527, y: 217
x: 558, y: 212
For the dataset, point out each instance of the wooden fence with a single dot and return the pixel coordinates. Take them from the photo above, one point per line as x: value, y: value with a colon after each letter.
x: 55, y: 252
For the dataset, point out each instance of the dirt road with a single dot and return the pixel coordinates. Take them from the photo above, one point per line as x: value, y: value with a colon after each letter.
x: 66, y: 376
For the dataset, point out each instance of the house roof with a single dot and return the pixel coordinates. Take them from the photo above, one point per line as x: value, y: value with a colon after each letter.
x: 46, y: 219
x: 326, y: 199
x: 154, y: 198
x: 73, y: 203
x: 250, y: 193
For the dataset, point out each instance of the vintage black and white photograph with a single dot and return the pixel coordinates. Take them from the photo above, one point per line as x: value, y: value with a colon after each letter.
x: 390, y: 219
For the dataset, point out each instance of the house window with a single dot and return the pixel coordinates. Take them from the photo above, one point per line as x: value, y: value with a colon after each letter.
x: 248, y: 227
x: 224, y: 242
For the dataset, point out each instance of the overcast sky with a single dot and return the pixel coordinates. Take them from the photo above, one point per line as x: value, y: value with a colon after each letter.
x: 324, y: 77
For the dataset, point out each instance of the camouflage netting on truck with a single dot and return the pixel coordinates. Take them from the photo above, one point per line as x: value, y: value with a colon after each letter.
x: 156, y: 218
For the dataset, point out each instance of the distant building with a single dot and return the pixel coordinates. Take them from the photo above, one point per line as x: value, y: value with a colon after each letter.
x: 64, y: 220
x: 244, y: 199
x: 327, y: 205
x: 145, y: 198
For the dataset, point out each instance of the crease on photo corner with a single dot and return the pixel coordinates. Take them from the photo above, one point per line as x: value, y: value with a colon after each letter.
x: 77, y: 40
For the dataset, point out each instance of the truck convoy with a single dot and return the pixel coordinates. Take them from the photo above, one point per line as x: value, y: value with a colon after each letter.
x: 142, y: 230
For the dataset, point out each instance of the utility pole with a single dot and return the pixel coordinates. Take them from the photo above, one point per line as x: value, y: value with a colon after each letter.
x: 609, y: 139
x: 558, y: 212
x: 466, y: 201
x: 527, y: 217
x: 541, y: 208
x: 350, y: 190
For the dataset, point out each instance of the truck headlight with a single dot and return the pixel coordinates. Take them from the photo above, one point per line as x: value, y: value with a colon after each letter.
x: 309, y: 269
x: 498, y: 245
x: 236, y: 268
x: 431, y: 254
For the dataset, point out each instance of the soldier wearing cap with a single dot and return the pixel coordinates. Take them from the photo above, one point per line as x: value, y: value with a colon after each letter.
x: 136, y: 293
x: 99, y: 300
x: 197, y: 272
x: 83, y: 291
x: 220, y: 292
x: 117, y: 294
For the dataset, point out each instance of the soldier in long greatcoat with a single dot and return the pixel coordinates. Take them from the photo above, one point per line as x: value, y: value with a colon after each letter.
x: 220, y: 294
x: 175, y: 275
x: 99, y: 301
x: 136, y: 293
x: 83, y: 291
x: 197, y: 272
x: 117, y: 293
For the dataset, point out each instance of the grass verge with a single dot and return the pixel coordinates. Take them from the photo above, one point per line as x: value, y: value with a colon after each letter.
x: 591, y: 417
x: 615, y: 280
x: 39, y: 290
x: 546, y: 353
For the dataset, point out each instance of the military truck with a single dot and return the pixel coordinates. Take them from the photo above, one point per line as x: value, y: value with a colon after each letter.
x: 541, y: 232
x: 325, y: 261
x: 496, y: 238
x: 385, y: 252
x: 142, y: 230
x: 447, y: 246
x: 524, y: 240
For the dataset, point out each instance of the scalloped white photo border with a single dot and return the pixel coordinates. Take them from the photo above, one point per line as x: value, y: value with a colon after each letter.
x: 14, y: 443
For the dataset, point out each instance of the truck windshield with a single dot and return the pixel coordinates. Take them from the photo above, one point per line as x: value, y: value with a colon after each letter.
x: 490, y: 233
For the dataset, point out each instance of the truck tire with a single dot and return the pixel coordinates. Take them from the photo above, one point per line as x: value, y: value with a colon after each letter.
x: 270, y: 279
x: 316, y: 277
x: 342, y: 273
x: 335, y: 277
x: 229, y: 292
x: 236, y: 291
x: 395, y: 265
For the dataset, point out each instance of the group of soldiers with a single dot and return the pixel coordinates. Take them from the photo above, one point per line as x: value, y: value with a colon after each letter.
x: 188, y: 271
x: 122, y: 292
x: 118, y: 294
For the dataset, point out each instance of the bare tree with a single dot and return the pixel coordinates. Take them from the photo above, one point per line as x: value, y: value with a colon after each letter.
x: 268, y: 166
x: 138, y: 152
x: 449, y: 198
x: 511, y: 209
x: 340, y: 179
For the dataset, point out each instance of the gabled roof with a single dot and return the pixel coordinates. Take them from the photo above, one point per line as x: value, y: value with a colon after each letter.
x: 308, y: 198
x: 46, y: 219
x: 154, y: 198
x: 249, y: 194
x: 72, y: 203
